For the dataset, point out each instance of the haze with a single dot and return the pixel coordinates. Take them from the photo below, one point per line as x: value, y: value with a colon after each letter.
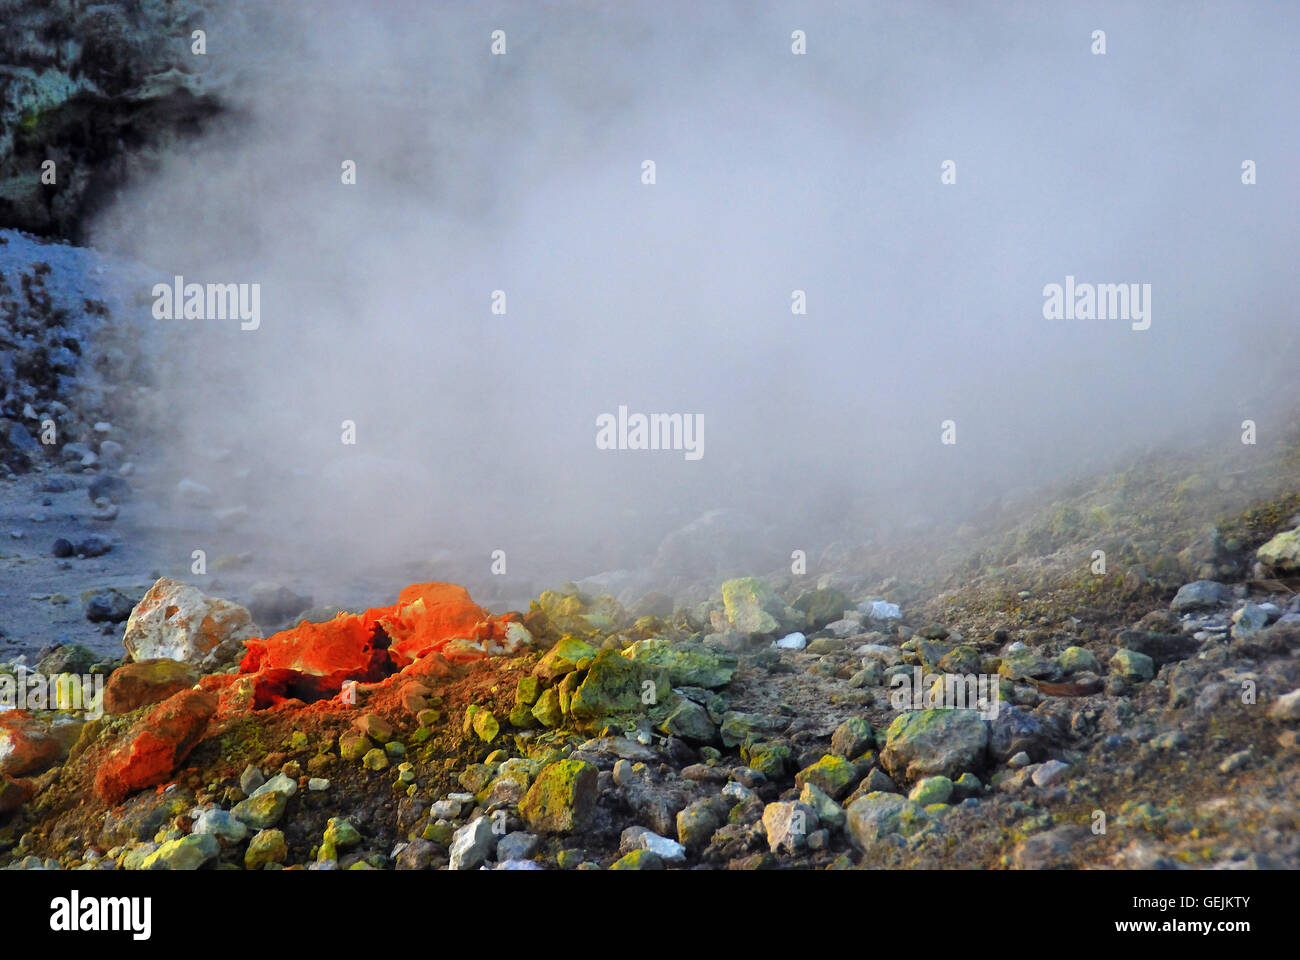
x: 775, y: 173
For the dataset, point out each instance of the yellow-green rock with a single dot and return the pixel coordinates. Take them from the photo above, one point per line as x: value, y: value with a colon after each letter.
x: 267, y: 846
x: 639, y: 860
x: 562, y: 799
x: 833, y: 775
x: 486, y: 725
x: 547, y: 708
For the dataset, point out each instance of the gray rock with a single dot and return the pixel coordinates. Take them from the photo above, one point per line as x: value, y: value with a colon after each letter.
x: 923, y: 743
x: 1132, y: 666
x: 108, y: 606
x: 1249, y: 620
x: 416, y: 855
x: 1013, y: 730
x: 1049, y: 850
x: 280, y: 783
x: 517, y: 845
x: 852, y: 738
x: 250, y: 779
x: 471, y: 844
x: 221, y: 824
x: 876, y: 816
x: 1200, y: 595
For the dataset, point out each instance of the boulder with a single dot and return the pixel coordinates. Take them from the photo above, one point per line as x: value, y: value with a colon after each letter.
x: 832, y: 774
x: 1199, y: 595
x: 1132, y: 666
x: 617, y: 686
x: 177, y: 621
x: 67, y: 658
x: 1281, y: 555
x: 25, y: 745
x: 563, y: 658
x: 822, y: 606
x: 562, y: 799
x: 155, y: 746
x: 787, y: 825
x: 876, y: 816
x: 748, y: 602
x: 687, y: 664
x: 134, y: 685
x: 1015, y: 730
x: 471, y: 844
x: 927, y: 743
x: 107, y: 606
x: 187, y: 853
x: 267, y: 846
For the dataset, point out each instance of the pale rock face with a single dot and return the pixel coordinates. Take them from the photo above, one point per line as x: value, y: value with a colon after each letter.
x: 517, y: 637
x: 179, y: 622
x: 471, y: 844
x: 788, y: 825
x: 1282, y: 553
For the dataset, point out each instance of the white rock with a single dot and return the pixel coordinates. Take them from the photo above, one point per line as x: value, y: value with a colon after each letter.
x: 471, y: 844
x: 517, y: 637
x: 876, y: 650
x: 280, y: 783
x: 179, y: 622
x: 667, y: 849
x: 880, y: 610
x: 792, y: 641
x: 1048, y: 773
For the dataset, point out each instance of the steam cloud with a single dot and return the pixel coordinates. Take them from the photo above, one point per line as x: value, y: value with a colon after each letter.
x: 775, y: 173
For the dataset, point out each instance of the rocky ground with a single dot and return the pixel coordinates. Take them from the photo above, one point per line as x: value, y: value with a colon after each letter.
x: 1146, y: 709
x: 99, y: 90
x: 1137, y: 725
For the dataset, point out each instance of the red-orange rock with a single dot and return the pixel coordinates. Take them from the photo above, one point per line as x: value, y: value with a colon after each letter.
x: 157, y: 745
x: 25, y: 746
x: 432, y: 626
x: 138, y: 684
x: 426, y: 617
x: 312, y: 661
x: 14, y: 793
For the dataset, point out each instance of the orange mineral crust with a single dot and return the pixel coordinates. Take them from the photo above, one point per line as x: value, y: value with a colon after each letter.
x: 313, y: 661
